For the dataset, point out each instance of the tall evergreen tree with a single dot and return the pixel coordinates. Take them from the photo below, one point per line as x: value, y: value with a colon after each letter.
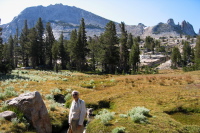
x: 49, y: 40
x: 123, y: 49
x: 41, y: 47
x: 24, y: 44
x: 81, y: 47
x: 33, y: 43
x: 55, y: 54
x: 11, y: 51
x: 176, y: 57
x: 72, y: 49
x: 1, y: 46
x: 186, y: 53
x: 134, y: 57
x: 62, y: 52
x: 93, y: 45
x: 16, y: 49
x: 197, y: 53
x: 130, y: 41
x: 110, y: 53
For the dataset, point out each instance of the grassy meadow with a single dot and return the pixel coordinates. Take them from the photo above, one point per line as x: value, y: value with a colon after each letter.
x: 172, y: 99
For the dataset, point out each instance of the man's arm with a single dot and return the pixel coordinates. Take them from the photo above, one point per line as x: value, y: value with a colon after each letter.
x: 83, y: 113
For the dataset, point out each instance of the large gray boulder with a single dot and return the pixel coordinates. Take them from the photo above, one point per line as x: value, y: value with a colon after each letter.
x: 34, y: 109
x: 8, y: 115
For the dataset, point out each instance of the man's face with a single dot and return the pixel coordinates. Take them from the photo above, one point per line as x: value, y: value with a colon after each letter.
x: 75, y: 95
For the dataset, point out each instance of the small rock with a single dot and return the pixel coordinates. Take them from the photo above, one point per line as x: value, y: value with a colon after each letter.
x: 8, y: 115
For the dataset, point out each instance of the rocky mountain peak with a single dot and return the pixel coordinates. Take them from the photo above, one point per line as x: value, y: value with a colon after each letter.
x: 171, y: 22
x: 187, y: 28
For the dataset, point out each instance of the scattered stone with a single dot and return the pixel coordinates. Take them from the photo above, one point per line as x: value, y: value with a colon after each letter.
x: 8, y: 115
x: 34, y: 109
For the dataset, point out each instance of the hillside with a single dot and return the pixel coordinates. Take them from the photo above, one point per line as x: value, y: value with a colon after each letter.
x: 172, y: 98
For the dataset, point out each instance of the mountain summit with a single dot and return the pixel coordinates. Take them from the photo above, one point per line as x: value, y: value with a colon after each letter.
x: 62, y: 17
x: 66, y: 18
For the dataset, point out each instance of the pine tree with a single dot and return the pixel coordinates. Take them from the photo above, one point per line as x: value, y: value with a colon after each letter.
x: 49, y: 40
x: 186, y: 53
x: 41, y: 47
x: 93, y: 45
x: 16, y: 49
x: 62, y: 52
x: 123, y: 49
x: 11, y: 51
x: 110, y: 52
x: 24, y: 44
x: 134, y: 57
x: 81, y: 47
x: 72, y: 49
x: 130, y: 41
x: 1, y: 47
x: 55, y: 53
x: 33, y: 43
x: 197, y: 53
x: 1, y: 52
x: 175, y: 57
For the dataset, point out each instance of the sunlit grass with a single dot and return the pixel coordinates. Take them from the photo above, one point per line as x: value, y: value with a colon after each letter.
x: 159, y: 93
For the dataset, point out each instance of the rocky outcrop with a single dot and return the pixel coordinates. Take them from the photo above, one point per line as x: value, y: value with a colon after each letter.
x: 171, y: 22
x: 187, y: 28
x: 34, y: 109
x: 169, y: 29
x: 8, y: 115
x: 199, y: 32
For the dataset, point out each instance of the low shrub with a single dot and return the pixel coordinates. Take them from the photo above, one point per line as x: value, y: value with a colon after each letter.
x: 65, y: 79
x: 15, y: 121
x: 56, y: 91
x: 123, y: 115
x: 119, y: 130
x: 68, y: 97
x: 105, y: 116
x: 49, y: 97
x: 139, y: 118
x: 139, y: 114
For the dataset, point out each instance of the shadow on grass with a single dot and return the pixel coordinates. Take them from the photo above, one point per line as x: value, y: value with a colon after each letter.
x: 4, y: 77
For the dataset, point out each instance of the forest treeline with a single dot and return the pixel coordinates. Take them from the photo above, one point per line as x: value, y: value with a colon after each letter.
x: 36, y: 47
x: 109, y: 53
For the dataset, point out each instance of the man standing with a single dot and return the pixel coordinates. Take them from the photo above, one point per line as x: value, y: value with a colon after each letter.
x: 77, y: 113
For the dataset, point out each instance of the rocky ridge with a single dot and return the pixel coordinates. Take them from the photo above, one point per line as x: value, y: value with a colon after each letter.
x: 66, y: 18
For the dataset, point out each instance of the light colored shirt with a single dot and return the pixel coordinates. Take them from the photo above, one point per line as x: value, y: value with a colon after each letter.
x: 77, y: 111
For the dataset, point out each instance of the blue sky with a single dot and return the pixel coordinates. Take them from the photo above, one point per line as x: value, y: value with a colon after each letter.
x: 132, y: 12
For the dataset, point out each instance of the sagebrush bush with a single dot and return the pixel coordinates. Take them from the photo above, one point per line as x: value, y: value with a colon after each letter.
x: 139, y: 110
x: 119, y: 130
x: 123, y: 115
x: 49, y: 97
x: 2, y: 120
x: 105, y: 116
x: 56, y: 91
x: 68, y: 97
x: 139, y: 118
x: 65, y: 79
x: 15, y: 121
x: 2, y: 96
x: 9, y: 91
x: 138, y: 114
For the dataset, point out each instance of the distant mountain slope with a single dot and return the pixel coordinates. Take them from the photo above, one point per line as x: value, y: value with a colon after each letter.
x: 66, y: 18
x: 170, y: 29
x: 61, y: 16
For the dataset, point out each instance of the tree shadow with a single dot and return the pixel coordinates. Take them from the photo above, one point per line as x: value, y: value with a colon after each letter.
x: 4, y: 77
